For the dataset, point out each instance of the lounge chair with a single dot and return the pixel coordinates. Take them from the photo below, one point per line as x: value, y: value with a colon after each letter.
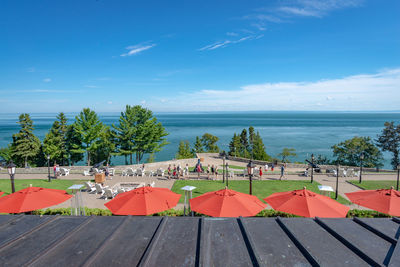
x: 140, y: 172
x: 100, y: 189
x: 90, y: 187
x: 109, y: 194
x: 160, y: 172
x: 86, y: 173
x: 111, y: 172
x: 64, y: 171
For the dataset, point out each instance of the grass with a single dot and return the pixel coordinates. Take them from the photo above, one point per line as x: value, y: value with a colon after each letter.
x: 261, y: 189
x: 372, y: 185
x: 5, y: 184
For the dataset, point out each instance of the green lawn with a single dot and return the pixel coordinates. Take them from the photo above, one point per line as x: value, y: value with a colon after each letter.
x: 5, y: 184
x: 372, y: 185
x: 261, y: 189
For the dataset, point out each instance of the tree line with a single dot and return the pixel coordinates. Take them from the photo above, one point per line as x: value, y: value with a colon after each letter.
x: 249, y: 144
x: 137, y: 133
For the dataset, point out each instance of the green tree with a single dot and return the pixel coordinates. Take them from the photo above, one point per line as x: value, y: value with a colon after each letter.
x: 322, y: 160
x: 349, y: 152
x: 54, y: 143
x: 258, y: 148
x: 184, y: 151
x: 244, y: 145
x: 389, y: 140
x: 106, y: 146
x: 73, y: 141
x: 235, y: 146
x: 139, y: 133
x: 198, y: 146
x: 25, y: 146
x: 5, y: 153
x: 286, y: 153
x: 89, y: 129
x: 209, y: 143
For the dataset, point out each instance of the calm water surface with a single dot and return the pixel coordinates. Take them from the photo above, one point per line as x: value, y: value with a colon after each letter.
x: 307, y: 132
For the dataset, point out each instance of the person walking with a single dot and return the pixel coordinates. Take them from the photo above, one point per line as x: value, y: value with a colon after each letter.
x: 266, y: 167
x: 272, y: 167
x: 212, y: 172
x: 187, y: 170
x: 260, y: 172
x: 282, y: 172
x: 169, y: 171
x: 216, y: 172
x: 208, y: 172
x: 55, y: 170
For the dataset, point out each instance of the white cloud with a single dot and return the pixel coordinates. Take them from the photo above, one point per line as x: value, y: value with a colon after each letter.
x: 136, y: 49
x: 47, y: 80
x: 225, y: 43
x: 356, y: 92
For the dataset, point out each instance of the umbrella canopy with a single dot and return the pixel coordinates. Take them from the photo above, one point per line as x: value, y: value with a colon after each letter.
x: 227, y: 203
x: 143, y: 201
x: 382, y: 200
x: 306, y: 203
x: 32, y: 198
x: 1, y: 193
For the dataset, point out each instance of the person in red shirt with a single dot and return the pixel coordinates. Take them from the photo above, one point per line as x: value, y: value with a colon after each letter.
x: 260, y: 170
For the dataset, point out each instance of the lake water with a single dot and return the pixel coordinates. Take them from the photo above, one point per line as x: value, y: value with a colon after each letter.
x: 307, y: 132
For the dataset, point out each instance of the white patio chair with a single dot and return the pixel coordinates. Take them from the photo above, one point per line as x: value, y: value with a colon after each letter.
x: 140, y: 172
x: 64, y: 171
x: 120, y: 190
x: 86, y: 173
x: 152, y: 184
x: 111, y: 172
x: 89, y: 187
x: 160, y: 172
x: 100, y: 189
x: 109, y: 194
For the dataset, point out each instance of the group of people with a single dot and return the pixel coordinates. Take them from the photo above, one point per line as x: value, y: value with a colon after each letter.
x: 213, y: 171
x: 176, y: 171
x: 56, y: 169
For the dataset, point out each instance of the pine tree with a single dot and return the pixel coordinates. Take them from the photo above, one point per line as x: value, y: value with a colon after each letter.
x: 105, y: 146
x: 286, y: 153
x: 251, y: 140
x: 184, y: 151
x: 258, y: 148
x: 244, y: 145
x: 139, y: 133
x: 54, y: 144
x: 209, y: 143
x: 389, y: 141
x: 25, y: 145
x: 235, y: 146
x: 88, y: 129
x: 198, y: 146
x: 73, y: 141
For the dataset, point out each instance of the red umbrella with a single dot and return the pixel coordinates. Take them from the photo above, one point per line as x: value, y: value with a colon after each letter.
x: 1, y: 193
x: 382, y: 200
x: 307, y: 204
x: 227, y: 203
x: 32, y: 198
x: 143, y: 201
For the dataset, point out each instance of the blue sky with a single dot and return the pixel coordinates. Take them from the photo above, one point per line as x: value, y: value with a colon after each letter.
x: 199, y: 55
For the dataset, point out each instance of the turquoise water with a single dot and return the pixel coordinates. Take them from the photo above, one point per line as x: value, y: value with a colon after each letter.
x: 307, y: 132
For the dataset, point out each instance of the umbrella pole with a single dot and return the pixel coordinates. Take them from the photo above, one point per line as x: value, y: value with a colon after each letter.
x: 190, y: 197
x: 184, y: 207
x: 337, y: 181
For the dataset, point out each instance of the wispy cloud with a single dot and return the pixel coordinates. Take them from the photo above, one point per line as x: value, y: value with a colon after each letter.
x: 288, y: 10
x: 91, y: 86
x: 356, y: 92
x: 47, y: 80
x: 232, y: 34
x: 225, y: 43
x: 136, y: 49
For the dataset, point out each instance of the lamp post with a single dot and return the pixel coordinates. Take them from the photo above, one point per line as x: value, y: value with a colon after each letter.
x: 227, y: 175
x: 11, y: 171
x: 361, y: 165
x: 337, y: 180
x: 312, y: 168
x: 250, y: 170
x: 223, y: 154
x: 398, y: 174
x: 48, y: 167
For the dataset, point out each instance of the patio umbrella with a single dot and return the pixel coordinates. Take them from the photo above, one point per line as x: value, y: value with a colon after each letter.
x: 1, y: 193
x: 307, y: 204
x: 32, y: 198
x: 227, y: 203
x: 143, y: 201
x: 382, y: 200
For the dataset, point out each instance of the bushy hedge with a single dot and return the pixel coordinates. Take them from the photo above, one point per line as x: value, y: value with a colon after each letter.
x: 178, y: 213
